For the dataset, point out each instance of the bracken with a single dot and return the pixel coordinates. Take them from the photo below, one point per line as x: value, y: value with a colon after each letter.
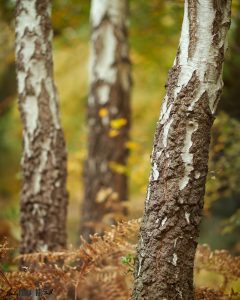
x: 102, y: 269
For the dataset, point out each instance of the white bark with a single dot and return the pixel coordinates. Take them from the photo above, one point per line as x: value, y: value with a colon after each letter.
x: 108, y: 102
x: 103, y: 57
x: 35, y: 70
x: 202, y: 61
x: 180, y: 155
x: 44, y: 196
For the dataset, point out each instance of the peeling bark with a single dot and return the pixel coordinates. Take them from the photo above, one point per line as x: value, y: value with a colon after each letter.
x: 174, y: 202
x: 108, y: 117
x: 44, y: 196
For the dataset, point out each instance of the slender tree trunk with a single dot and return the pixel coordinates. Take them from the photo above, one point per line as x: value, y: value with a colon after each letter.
x: 44, y: 195
x: 174, y: 201
x: 108, y: 116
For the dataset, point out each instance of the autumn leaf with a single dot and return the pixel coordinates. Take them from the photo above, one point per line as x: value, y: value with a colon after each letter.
x: 118, y: 168
x: 132, y: 145
x: 103, y: 194
x: 103, y: 112
x: 118, y: 123
x: 113, y: 133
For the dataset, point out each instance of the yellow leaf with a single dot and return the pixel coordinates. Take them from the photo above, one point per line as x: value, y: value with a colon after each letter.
x: 118, y: 123
x: 113, y: 133
x: 118, y: 168
x: 103, y: 194
x: 131, y: 145
x: 103, y: 112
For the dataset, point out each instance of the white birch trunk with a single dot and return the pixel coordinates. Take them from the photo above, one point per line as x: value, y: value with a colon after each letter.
x: 108, y: 116
x: 174, y: 202
x: 44, y: 196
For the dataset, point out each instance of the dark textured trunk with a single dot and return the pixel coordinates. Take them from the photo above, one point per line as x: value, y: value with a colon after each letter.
x: 174, y: 201
x: 44, y: 195
x: 108, y: 117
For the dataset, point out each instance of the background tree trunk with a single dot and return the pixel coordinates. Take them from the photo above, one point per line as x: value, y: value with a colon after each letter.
x: 44, y: 195
x: 174, y: 201
x: 108, y: 116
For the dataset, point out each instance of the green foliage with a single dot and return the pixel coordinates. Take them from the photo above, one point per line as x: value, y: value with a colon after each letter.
x: 222, y: 188
x: 231, y: 99
x: 7, y: 10
x: 154, y: 27
x: 224, y: 162
x: 128, y: 260
x: 232, y: 224
x: 70, y: 19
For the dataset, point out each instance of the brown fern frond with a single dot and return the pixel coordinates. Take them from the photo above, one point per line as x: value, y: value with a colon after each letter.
x: 105, y: 284
x: 113, y: 242
x: 210, y: 294
x: 219, y: 261
x: 102, y: 269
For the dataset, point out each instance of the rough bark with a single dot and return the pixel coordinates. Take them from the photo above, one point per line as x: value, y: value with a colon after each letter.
x: 44, y: 195
x: 108, y: 116
x: 174, y: 201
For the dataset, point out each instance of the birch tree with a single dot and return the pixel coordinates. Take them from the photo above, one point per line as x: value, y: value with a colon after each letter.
x: 174, y: 201
x: 108, y: 116
x: 44, y: 195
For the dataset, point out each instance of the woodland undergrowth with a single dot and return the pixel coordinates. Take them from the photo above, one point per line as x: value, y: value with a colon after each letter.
x: 103, y: 269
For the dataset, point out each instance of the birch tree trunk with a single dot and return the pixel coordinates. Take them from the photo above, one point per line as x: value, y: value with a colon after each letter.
x: 44, y: 196
x: 174, y: 201
x: 108, y: 116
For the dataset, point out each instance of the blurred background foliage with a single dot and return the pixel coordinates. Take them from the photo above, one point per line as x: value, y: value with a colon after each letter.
x: 154, y: 35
